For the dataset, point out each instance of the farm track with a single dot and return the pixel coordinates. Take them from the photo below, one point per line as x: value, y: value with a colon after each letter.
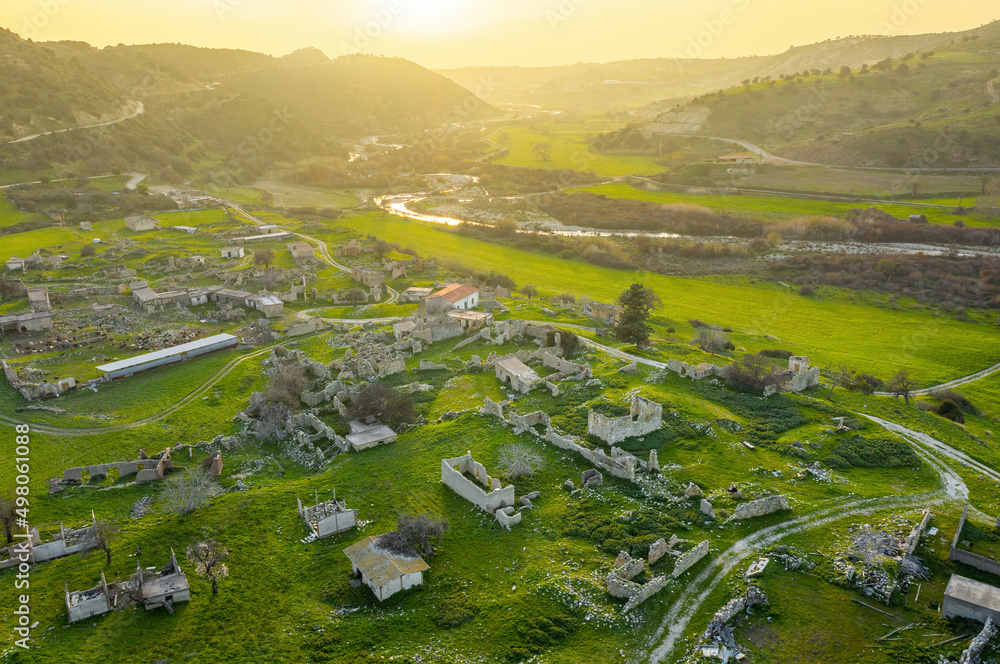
x: 125, y: 426
x: 140, y: 109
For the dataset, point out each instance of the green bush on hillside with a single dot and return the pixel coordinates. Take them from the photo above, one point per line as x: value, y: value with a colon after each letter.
x: 864, y: 452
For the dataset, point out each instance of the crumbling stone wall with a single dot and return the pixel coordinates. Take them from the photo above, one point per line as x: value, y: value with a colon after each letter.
x: 760, y: 507
x: 696, y: 372
x: 972, y: 654
x: 522, y: 423
x: 495, y: 502
x: 623, y: 466
x: 565, y: 366
x: 690, y: 559
x: 646, y: 417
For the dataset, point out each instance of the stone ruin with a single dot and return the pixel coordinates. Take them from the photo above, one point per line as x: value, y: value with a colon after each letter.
x: 760, y: 507
x: 718, y: 631
x: 620, y: 463
x: 620, y: 584
x: 145, y: 469
x: 369, y: 359
x: 327, y: 518
x: 164, y: 587
x: 592, y: 477
x: 66, y: 542
x: 499, y: 501
x: 971, y: 655
x: 96, y: 601
x: 690, y: 559
x: 646, y: 416
x: 32, y: 391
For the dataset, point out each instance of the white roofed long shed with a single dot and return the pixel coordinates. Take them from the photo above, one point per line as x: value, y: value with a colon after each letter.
x: 158, y: 358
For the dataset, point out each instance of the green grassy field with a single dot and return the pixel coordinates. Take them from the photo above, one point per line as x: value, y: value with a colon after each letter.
x: 777, y: 208
x: 832, y: 331
x: 570, y: 150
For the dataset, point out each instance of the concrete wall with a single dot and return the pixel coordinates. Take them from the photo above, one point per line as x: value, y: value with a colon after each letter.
x: 981, y: 563
x: 952, y: 608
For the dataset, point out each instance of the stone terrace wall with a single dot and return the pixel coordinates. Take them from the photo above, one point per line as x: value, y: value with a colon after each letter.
x: 689, y: 559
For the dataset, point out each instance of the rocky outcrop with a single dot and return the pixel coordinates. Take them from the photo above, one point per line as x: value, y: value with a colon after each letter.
x: 760, y: 507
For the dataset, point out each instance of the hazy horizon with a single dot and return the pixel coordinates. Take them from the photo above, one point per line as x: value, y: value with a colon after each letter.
x: 446, y: 34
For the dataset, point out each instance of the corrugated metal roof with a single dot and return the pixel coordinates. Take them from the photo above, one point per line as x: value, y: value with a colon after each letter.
x: 380, y: 566
x: 268, y: 299
x: 165, y: 353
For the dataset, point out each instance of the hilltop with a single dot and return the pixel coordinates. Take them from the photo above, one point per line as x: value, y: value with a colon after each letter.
x: 206, y: 106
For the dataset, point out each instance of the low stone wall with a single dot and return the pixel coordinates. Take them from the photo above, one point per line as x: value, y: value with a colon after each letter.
x: 619, y: 468
x: 972, y: 653
x: 918, y: 531
x: 654, y: 586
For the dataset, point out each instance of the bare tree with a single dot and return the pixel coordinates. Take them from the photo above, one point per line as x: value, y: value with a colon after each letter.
x: 8, y: 514
x: 418, y: 533
x: 843, y: 373
x: 529, y: 291
x: 271, y: 421
x: 287, y: 385
x: 543, y: 151
x: 209, y: 560
x: 383, y: 402
x: 263, y: 257
x: 518, y: 460
x: 186, y: 494
x: 901, y: 385
x: 105, y: 533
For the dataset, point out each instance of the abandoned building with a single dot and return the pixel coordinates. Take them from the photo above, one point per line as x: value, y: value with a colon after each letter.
x: 499, y: 501
x: 15, y: 263
x: 606, y: 313
x: 982, y: 563
x: 269, y: 305
x: 301, y: 251
x: 369, y: 433
x: 965, y: 598
x: 385, y: 572
x: 64, y: 543
x: 415, y: 294
x: 24, y: 323
x: 133, y: 365
x: 368, y: 276
x: 328, y: 518
x: 516, y: 374
x: 232, y: 252
x: 452, y: 296
x: 471, y: 320
x: 403, y: 329
x: 165, y: 587
x: 140, y: 222
x: 798, y: 364
x: 38, y: 298
x: 646, y: 416
x: 620, y: 584
x: 83, y: 604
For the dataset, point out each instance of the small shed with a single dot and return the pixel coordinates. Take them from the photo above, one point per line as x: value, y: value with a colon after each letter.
x: 965, y: 598
x: 368, y: 434
x: 385, y: 571
x: 301, y: 250
x: 516, y: 374
x: 164, y: 588
x: 15, y: 263
x: 232, y: 252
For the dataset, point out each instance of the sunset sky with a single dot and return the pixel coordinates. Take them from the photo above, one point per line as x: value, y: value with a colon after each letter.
x: 453, y: 33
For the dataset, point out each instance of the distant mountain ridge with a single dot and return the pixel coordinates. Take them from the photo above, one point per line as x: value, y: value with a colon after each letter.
x: 60, y: 85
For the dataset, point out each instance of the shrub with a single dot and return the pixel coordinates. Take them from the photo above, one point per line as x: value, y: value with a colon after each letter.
x: 873, y: 453
x: 777, y: 353
x: 806, y: 290
x: 518, y: 460
x: 287, y: 385
x: 751, y: 372
x: 950, y: 410
x: 88, y: 250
